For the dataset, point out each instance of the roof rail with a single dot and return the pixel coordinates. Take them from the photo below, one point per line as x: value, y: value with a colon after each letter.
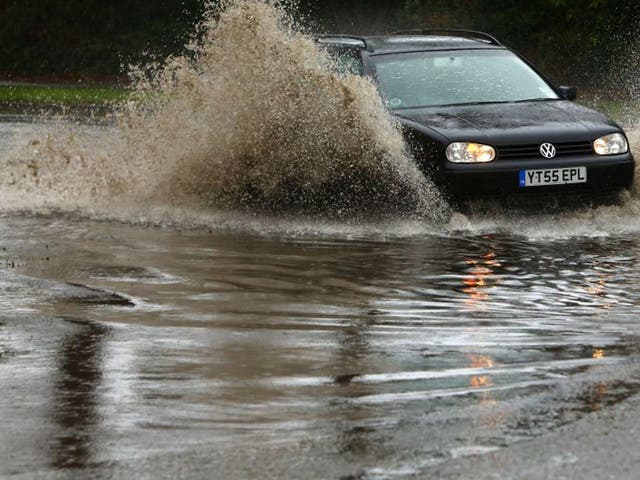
x: 346, y: 40
x: 453, y: 32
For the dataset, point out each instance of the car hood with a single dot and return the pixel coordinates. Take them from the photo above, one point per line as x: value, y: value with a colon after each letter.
x: 517, y: 123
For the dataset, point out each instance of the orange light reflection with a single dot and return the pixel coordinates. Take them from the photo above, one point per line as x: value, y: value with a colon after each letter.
x: 486, y: 414
x: 480, y: 278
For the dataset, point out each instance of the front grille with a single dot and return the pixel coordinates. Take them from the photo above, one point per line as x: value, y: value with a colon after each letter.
x: 544, y: 198
x: 532, y: 151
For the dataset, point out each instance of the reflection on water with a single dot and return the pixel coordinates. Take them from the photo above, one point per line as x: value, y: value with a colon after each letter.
x: 481, y: 278
x: 74, y: 407
x: 357, y: 357
x: 481, y: 362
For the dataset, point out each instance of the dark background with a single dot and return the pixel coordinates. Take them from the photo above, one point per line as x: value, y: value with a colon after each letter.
x: 578, y: 42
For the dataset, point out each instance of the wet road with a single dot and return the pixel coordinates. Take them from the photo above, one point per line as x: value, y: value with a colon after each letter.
x: 230, y: 354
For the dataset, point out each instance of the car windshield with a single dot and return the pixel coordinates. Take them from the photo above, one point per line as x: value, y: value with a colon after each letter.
x: 425, y: 79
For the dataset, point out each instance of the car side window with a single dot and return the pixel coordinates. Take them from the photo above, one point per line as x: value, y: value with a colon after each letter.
x: 346, y: 61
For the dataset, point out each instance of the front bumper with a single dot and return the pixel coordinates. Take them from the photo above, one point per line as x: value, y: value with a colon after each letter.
x: 606, y: 176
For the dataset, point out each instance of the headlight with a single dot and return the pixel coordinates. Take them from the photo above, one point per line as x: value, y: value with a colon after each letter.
x: 611, y: 144
x: 463, y: 152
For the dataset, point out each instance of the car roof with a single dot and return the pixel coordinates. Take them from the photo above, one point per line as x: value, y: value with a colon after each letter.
x: 415, y: 40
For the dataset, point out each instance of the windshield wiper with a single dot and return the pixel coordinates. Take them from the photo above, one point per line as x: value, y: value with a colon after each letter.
x: 492, y: 102
x: 541, y: 99
x: 464, y: 104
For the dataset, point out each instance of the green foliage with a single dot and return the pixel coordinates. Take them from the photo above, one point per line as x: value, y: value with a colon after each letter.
x: 94, y: 37
x: 576, y: 41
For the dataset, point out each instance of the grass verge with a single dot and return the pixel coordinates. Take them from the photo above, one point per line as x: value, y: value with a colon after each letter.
x: 38, y: 95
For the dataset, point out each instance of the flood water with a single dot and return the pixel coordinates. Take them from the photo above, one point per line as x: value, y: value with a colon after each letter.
x: 165, y: 316
x: 293, y: 348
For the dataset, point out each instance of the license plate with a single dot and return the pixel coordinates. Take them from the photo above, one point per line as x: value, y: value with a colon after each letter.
x: 553, y: 176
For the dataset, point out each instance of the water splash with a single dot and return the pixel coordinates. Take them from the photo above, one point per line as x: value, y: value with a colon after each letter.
x: 251, y: 120
x: 251, y: 117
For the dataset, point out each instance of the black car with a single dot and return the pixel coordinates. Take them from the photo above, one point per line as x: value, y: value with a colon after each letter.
x: 483, y: 122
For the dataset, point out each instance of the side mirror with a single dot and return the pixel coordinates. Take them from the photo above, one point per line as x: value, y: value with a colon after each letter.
x: 570, y: 93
